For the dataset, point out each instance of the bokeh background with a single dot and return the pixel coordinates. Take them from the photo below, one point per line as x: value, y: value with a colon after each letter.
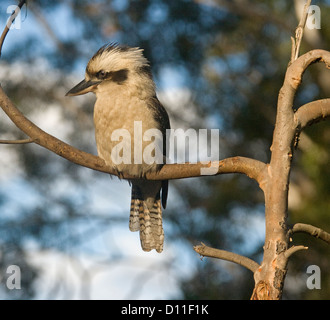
x: 217, y: 64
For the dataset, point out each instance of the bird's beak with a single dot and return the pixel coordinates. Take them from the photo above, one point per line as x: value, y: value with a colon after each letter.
x: 83, y: 87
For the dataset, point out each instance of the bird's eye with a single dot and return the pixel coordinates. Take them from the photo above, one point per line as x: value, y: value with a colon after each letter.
x: 101, y: 74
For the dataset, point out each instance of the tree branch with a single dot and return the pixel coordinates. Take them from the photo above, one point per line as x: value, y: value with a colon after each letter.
x: 292, y: 250
x: 312, y: 112
x: 296, y: 70
x: 283, y: 257
x: 252, y: 168
x: 311, y: 230
x: 206, y: 251
x: 299, y: 33
x: 23, y: 141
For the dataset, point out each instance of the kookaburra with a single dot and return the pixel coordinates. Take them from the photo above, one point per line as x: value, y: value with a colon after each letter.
x: 121, y: 79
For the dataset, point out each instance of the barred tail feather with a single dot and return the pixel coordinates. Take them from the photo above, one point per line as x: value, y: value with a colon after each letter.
x: 151, y: 228
x: 136, y: 209
x: 148, y: 221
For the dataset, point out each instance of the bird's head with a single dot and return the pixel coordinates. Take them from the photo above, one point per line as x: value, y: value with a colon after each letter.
x: 113, y: 65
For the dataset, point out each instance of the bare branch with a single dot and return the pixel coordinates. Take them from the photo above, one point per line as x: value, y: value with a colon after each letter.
x: 292, y: 81
x: 23, y: 141
x: 313, y: 231
x: 312, y: 112
x: 299, y: 32
x: 283, y: 257
x: 293, y: 49
x: 206, y: 251
x: 252, y: 168
x: 295, y: 71
x: 292, y: 250
x: 286, y: 120
x: 46, y: 140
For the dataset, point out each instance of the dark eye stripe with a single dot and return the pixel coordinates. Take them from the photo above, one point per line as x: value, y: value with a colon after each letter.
x: 119, y: 76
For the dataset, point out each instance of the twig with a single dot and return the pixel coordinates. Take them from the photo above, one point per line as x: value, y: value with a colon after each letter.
x: 295, y: 71
x: 11, y: 19
x: 299, y: 33
x: 23, y: 141
x: 206, y: 251
x: 312, y: 112
x: 292, y: 250
x: 293, y: 49
x: 313, y: 231
x: 283, y: 257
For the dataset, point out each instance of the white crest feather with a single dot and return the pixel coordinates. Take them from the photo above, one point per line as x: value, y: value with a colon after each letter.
x: 115, y: 57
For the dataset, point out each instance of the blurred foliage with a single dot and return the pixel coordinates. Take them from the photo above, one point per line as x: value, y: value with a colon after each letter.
x: 232, y: 56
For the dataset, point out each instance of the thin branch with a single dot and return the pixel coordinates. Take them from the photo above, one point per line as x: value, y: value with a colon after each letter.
x: 286, y: 120
x: 23, y: 141
x: 10, y: 22
x: 311, y: 230
x: 312, y: 112
x: 252, y: 168
x: 283, y: 257
x: 293, y: 49
x: 299, y: 32
x: 292, y: 250
x: 206, y: 251
x: 48, y: 141
x: 296, y: 70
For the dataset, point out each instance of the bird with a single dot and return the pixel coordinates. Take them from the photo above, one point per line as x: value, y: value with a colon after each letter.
x: 120, y: 76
